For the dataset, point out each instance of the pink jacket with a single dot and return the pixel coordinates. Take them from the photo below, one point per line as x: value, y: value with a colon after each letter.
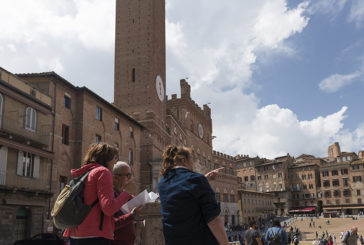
x: 98, y: 185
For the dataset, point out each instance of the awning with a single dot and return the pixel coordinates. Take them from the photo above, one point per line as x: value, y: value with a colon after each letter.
x: 302, y: 210
x: 308, y: 209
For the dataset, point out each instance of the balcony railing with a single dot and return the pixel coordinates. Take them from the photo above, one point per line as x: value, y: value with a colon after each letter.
x: 15, y: 129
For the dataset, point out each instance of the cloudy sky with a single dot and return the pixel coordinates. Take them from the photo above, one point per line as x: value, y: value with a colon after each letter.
x: 281, y: 76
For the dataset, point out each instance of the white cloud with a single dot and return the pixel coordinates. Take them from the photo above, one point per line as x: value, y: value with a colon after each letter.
x: 335, y: 82
x: 357, y: 12
x: 213, y: 43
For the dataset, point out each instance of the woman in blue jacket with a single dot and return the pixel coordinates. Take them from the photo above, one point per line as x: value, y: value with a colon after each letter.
x: 189, y: 209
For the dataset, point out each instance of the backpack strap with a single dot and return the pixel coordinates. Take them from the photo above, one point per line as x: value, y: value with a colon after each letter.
x: 95, y: 202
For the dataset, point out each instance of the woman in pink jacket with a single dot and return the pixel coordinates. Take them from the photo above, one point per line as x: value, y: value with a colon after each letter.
x: 98, y: 226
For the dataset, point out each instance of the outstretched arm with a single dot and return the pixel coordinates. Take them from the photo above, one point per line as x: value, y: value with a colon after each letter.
x: 217, y: 228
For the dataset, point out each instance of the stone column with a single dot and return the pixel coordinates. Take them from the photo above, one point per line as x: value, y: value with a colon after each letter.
x: 156, y: 170
x: 152, y: 232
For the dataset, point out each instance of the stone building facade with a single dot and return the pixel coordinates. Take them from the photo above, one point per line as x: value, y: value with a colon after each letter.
x: 254, y: 205
x: 341, y: 187
x: 81, y: 118
x: 225, y: 187
x: 26, y: 158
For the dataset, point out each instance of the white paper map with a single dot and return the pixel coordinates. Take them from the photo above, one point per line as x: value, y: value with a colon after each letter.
x: 142, y: 198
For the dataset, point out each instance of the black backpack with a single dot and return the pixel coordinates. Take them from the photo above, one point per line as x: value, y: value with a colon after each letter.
x: 69, y: 210
x: 275, y: 239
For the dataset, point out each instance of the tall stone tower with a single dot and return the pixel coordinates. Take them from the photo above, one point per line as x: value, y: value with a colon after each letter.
x: 140, y: 77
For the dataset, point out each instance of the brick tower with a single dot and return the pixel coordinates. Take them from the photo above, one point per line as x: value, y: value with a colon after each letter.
x: 140, y: 77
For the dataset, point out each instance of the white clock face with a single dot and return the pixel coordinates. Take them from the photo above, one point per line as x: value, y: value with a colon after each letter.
x: 200, y: 130
x: 159, y: 87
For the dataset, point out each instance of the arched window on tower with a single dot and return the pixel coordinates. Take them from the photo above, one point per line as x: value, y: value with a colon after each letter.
x: 133, y: 75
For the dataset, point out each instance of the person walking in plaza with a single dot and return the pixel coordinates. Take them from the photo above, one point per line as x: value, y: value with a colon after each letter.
x: 276, y: 235
x: 251, y: 236
x: 98, y: 226
x: 350, y: 237
x: 124, y: 233
x: 361, y: 239
x: 190, y: 213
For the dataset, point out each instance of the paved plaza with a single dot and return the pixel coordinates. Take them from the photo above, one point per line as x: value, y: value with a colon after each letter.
x: 335, y: 227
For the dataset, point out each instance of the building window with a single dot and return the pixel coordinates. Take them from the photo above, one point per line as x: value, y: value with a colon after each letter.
x: 347, y: 200
x: 65, y: 134
x: 334, y: 172
x: 131, y: 157
x: 309, y: 176
x: 303, y: 176
x: 246, y: 178
x: 67, y: 101
x: 131, y: 130
x: 335, y: 182
x: 344, y: 171
x: 28, y: 164
x: 355, y: 167
x: 260, y: 188
x: 217, y: 197
x: 280, y: 175
x: 358, y: 192
x: 216, y: 166
x: 325, y: 173
x: 225, y: 197
x: 304, y: 187
x: 266, y: 176
x: 327, y: 194
x: 280, y: 187
x: 98, y: 138
x: 347, y: 193
x: 337, y: 193
x: 244, y: 164
x: 356, y: 178
x: 346, y: 182
x: 231, y: 171
x: 99, y: 113
x: 133, y: 75
x: 252, y: 177
x: 310, y: 186
x: 298, y: 187
x: 30, y: 119
x: 359, y: 200
x: 232, y: 198
x: 116, y: 124
x: 251, y: 163
x: 259, y: 177
x: 297, y: 176
x: 326, y: 183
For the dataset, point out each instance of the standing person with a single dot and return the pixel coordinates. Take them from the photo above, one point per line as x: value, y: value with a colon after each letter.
x: 252, y: 236
x: 98, y: 226
x: 350, y: 237
x: 330, y: 241
x: 276, y: 235
x: 124, y: 233
x: 190, y: 213
x: 295, y: 240
x: 361, y: 240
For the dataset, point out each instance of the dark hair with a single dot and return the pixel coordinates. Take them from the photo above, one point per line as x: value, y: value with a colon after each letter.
x: 276, y: 223
x: 100, y: 153
x: 252, y: 223
x: 172, y: 156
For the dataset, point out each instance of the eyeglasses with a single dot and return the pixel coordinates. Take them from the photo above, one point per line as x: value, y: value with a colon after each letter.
x: 127, y: 175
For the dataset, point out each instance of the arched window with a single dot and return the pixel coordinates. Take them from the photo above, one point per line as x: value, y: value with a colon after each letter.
x: 1, y: 108
x: 30, y: 119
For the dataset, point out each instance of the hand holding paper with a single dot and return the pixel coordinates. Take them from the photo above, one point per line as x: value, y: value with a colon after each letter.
x: 142, y: 198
